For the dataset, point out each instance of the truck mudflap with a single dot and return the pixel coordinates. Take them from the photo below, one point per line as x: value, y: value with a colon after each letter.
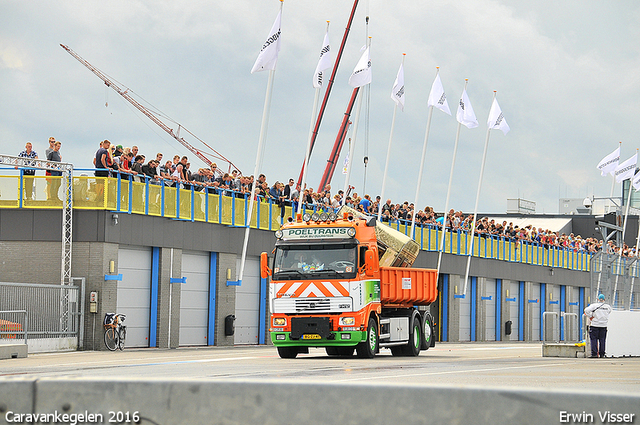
x: 311, y: 328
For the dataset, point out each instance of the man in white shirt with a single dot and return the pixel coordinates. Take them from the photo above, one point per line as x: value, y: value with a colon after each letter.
x: 599, y: 314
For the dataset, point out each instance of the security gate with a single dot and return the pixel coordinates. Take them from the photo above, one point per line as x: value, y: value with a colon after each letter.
x: 194, y: 298
x: 248, y: 303
x: 465, y: 317
x: 53, y: 317
x: 490, y: 309
x: 513, y: 298
x: 134, y: 293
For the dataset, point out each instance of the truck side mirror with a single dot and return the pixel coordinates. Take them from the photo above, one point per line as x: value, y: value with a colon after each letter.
x: 370, y: 263
x: 265, y: 271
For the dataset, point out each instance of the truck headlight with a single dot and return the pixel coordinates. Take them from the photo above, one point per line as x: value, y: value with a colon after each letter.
x: 347, y: 321
x: 351, y: 231
x: 279, y: 321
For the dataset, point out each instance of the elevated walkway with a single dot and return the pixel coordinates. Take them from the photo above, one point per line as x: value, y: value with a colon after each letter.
x: 122, y: 195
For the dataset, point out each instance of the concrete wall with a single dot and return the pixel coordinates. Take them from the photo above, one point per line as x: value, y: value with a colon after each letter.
x: 33, y: 237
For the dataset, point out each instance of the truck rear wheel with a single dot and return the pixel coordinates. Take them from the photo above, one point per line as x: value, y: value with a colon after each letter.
x: 288, y: 352
x: 427, y: 331
x: 368, y: 348
x: 415, y: 339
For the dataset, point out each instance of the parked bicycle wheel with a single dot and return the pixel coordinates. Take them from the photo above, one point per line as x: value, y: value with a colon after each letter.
x: 121, y: 337
x: 111, y: 338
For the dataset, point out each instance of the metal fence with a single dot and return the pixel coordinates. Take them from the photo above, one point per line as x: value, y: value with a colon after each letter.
x: 554, y: 326
x: 51, y: 311
x: 618, y: 278
x: 13, y: 326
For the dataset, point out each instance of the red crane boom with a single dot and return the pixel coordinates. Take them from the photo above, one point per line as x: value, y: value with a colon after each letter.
x: 152, y: 115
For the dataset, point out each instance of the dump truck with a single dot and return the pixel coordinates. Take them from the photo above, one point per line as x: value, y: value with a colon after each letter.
x: 344, y: 281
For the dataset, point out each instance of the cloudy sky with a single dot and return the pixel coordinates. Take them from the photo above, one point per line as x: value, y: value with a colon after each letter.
x: 566, y: 76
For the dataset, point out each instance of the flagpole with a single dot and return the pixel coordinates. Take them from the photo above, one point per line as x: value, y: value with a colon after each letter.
x: 475, y: 210
x: 305, y: 166
x: 262, y: 137
x: 633, y: 276
x: 386, y: 164
x: 446, y: 203
x: 613, y: 184
x: 422, y: 158
x: 624, y: 229
x: 353, y: 141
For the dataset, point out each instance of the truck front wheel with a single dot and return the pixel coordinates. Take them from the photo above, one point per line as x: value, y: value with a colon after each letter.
x: 288, y: 352
x: 368, y: 348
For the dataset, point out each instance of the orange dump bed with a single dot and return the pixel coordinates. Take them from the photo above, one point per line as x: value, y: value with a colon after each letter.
x: 401, y: 285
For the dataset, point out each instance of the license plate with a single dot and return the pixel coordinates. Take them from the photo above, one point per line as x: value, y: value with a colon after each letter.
x: 311, y: 336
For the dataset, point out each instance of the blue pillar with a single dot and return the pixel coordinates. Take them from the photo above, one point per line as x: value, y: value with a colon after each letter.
x: 155, y: 282
x: 563, y: 295
x: 445, y: 307
x: 498, y: 309
x: 521, y: 306
x: 473, y: 304
x: 213, y: 281
x: 543, y: 302
x: 262, y: 323
x: 580, y: 309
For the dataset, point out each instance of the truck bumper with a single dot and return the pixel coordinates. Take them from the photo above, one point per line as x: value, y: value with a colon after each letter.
x: 335, y: 339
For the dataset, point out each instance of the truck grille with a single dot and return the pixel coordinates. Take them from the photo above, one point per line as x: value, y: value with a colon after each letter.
x: 312, y: 305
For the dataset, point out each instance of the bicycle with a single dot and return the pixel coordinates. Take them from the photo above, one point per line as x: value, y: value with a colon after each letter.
x: 115, y: 332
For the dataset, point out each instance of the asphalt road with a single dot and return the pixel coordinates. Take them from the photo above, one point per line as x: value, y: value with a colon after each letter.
x: 518, y: 365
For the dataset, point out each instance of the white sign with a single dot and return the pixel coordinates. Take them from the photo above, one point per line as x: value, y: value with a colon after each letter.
x: 406, y: 283
x: 315, y: 233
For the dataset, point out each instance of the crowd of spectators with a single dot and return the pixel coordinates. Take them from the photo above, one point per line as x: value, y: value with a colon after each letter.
x: 129, y: 161
x: 112, y: 160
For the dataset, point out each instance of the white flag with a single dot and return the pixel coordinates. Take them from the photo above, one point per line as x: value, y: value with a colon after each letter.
x: 346, y: 164
x: 636, y: 181
x: 323, y: 63
x: 397, y: 92
x: 437, y: 97
x: 362, y: 72
x: 627, y: 169
x: 496, y: 119
x: 268, y: 56
x: 609, y: 163
x: 465, y: 114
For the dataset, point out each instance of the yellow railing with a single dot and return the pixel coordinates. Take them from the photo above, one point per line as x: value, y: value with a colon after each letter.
x: 122, y: 195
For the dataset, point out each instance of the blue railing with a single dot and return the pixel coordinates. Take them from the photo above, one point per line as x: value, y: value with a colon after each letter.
x: 191, y: 202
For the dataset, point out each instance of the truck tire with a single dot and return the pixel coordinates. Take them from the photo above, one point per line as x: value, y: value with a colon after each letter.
x: 368, y: 348
x: 412, y: 348
x: 345, y: 351
x: 427, y: 332
x: 331, y: 351
x: 397, y: 351
x: 288, y: 352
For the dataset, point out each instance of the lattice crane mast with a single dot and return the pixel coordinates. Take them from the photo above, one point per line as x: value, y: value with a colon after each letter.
x: 152, y: 115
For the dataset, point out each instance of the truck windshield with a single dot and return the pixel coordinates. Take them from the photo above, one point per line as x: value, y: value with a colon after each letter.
x: 297, y: 262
